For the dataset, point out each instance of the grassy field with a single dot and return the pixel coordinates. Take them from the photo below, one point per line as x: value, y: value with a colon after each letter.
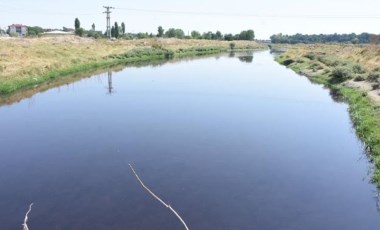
x: 351, y: 71
x: 28, y: 62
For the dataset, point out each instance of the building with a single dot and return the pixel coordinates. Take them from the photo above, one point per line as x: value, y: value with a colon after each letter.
x: 19, y: 29
x: 57, y: 33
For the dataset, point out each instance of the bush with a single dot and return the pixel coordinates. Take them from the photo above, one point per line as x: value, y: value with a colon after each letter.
x: 342, y: 73
x: 357, y: 68
x: 329, y: 60
x: 288, y: 62
x: 375, y: 86
x: 232, y: 45
x: 359, y: 78
x: 310, y: 56
x: 79, y: 32
x: 374, y: 76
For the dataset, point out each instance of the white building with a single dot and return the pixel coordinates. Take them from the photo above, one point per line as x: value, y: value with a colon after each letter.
x: 19, y: 29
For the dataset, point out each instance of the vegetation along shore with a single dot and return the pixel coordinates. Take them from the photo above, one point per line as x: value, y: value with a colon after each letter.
x: 353, y: 73
x: 31, y: 61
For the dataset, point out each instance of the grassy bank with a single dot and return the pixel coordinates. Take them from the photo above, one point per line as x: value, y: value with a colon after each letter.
x: 29, y: 62
x: 352, y: 72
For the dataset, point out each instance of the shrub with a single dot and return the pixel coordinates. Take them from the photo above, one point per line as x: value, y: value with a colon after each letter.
x: 232, y: 45
x: 375, y: 86
x: 310, y: 56
x: 357, y: 68
x: 342, y: 73
x: 300, y: 60
x: 329, y: 60
x: 374, y: 76
x: 359, y: 78
x: 288, y: 62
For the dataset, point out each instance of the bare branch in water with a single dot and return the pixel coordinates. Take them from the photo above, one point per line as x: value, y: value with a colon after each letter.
x: 157, y: 198
x: 25, y: 224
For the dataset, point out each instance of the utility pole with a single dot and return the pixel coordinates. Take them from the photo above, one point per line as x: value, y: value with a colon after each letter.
x: 108, y: 12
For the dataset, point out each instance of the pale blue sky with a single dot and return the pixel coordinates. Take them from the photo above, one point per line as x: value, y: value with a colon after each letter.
x: 266, y: 17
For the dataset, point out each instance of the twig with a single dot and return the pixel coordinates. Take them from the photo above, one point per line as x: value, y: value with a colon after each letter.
x: 157, y: 198
x: 25, y: 224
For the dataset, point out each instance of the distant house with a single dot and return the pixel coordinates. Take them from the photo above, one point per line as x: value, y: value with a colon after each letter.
x: 57, y: 33
x: 19, y: 29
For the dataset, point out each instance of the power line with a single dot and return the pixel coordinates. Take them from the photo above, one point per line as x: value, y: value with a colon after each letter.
x: 108, y: 12
x: 251, y: 15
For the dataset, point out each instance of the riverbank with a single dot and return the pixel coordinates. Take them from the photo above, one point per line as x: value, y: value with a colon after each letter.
x: 351, y: 72
x: 29, y: 62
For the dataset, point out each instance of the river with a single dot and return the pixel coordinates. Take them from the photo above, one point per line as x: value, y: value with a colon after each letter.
x: 232, y: 141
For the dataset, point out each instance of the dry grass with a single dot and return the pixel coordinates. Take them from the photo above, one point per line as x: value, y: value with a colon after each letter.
x: 366, y: 55
x: 26, y: 58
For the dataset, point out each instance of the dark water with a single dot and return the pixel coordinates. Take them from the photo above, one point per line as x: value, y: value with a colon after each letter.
x: 235, y: 142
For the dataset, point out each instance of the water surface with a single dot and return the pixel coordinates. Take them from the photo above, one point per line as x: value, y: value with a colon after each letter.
x: 231, y: 142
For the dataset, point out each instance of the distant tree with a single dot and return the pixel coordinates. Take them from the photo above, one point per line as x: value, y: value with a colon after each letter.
x: 322, y: 38
x: 122, y: 28
x: 175, y: 33
x: 142, y: 35
x: 179, y: 33
x: 113, y: 32
x: 77, y: 24
x: 228, y: 37
x: 80, y: 32
x: 93, y: 26
x: 247, y: 35
x: 195, y: 34
x: 160, y: 32
x: 116, y: 30
x: 207, y: 36
x: 35, y: 30
x: 374, y: 39
x: 218, y: 35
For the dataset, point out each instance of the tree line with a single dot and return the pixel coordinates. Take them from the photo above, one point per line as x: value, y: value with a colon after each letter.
x: 119, y: 31
x: 179, y: 33
x: 363, y: 38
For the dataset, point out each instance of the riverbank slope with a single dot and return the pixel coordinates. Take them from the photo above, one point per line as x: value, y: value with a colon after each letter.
x: 352, y: 72
x: 32, y: 61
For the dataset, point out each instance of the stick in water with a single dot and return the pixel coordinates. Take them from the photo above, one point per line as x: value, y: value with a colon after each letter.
x: 25, y: 224
x: 157, y: 198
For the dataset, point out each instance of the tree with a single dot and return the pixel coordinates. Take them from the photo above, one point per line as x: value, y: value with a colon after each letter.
x: 160, y: 32
x: 179, y: 33
x: 116, y: 30
x: 93, y: 26
x: 374, y: 39
x: 218, y: 35
x: 33, y: 31
x: 247, y: 35
x: 207, y: 36
x: 77, y: 24
x: 113, y: 33
x: 195, y: 34
x: 80, y: 32
x: 175, y: 33
x: 228, y: 37
x: 123, y: 28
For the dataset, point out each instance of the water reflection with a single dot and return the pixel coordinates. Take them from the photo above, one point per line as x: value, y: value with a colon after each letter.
x: 246, y: 57
x: 110, y: 87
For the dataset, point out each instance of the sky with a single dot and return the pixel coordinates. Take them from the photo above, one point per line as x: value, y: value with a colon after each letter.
x: 265, y: 17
